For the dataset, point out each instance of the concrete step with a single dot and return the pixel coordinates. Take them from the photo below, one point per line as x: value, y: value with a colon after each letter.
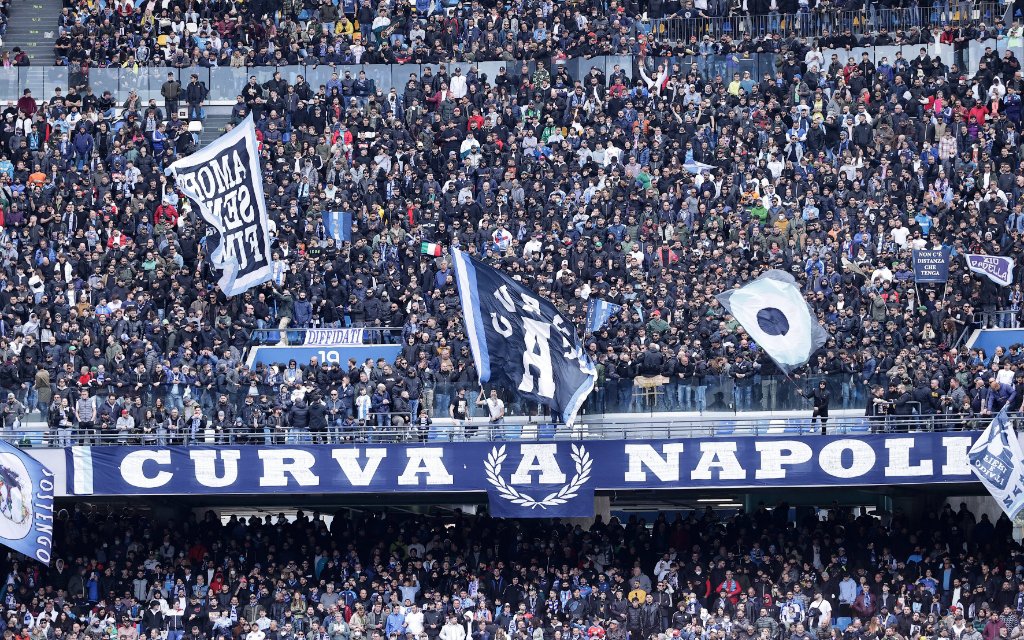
x: 32, y: 26
x: 213, y: 128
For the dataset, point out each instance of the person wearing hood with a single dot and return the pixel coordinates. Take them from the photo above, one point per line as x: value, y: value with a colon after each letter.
x: 83, y: 143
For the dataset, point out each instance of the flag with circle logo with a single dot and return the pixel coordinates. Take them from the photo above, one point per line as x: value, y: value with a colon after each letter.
x: 26, y: 504
x: 773, y: 312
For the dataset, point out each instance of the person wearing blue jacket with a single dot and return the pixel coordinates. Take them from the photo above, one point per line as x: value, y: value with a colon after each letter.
x: 83, y: 143
x: 395, y: 622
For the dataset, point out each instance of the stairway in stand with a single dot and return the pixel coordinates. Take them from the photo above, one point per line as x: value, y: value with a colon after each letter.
x: 33, y: 27
x: 213, y: 128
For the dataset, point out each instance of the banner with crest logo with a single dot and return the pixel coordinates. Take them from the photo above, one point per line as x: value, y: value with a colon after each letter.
x: 26, y: 504
x: 556, y: 494
x: 997, y: 461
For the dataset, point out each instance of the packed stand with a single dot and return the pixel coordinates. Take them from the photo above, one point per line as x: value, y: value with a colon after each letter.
x: 216, y: 33
x: 654, y: 187
x: 708, y: 575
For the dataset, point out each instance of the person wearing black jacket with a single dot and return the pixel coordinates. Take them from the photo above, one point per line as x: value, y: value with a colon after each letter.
x: 663, y: 599
x: 195, y: 95
x: 820, y: 397
x: 903, y: 406
x: 624, y: 371
x: 652, y: 362
x: 298, y: 419
x: 433, y: 620
x: 618, y: 609
x: 650, y: 621
x: 318, y: 421
x: 634, y: 619
x: 153, y: 618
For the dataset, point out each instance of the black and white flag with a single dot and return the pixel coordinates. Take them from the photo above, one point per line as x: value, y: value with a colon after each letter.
x: 225, y: 181
x: 520, y: 341
x: 772, y: 310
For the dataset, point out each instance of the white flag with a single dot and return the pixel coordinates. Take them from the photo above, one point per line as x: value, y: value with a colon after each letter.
x: 225, y: 181
x: 772, y: 310
x: 997, y: 460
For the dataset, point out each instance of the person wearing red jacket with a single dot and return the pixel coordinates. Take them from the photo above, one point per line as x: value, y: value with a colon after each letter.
x: 730, y: 588
x: 167, y: 214
x: 978, y: 112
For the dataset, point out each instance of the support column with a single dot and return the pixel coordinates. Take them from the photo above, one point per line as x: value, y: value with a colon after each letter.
x: 602, y: 507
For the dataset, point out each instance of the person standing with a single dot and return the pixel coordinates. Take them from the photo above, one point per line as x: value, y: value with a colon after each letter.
x: 495, y: 412
x: 195, y: 94
x: 820, y: 398
x: 458, y: 411
x: 85, y: 415
x: 171, y: 91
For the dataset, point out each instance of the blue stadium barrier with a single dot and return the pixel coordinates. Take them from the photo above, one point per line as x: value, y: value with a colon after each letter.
x: 275, y: 354
x: 989, y: 339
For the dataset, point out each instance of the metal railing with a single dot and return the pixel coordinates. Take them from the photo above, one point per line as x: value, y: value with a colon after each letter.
x: 481, y: 430
x: 693, y: 399
x: 1004, y: 319
x: 225, y: 83
x: 868, y: 20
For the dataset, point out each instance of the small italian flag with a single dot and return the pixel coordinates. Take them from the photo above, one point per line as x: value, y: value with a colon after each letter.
x: 430, y: 249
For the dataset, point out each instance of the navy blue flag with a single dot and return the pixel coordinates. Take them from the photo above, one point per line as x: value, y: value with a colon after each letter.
x: 520, y: 341
x: 931, y: 265
x: 26, y: 504
x: 338, y: 225
x: 599, y: 312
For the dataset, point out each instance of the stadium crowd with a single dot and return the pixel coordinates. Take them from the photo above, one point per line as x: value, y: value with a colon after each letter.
x: 653, y: 187
x: 707, y: 575
x: 216, y: 33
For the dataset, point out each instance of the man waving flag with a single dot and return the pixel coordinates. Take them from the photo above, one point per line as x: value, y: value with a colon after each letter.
x: 772, y: 310
x: 520, y: 341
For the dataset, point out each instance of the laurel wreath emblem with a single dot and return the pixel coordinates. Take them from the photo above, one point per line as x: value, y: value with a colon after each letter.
x: 580, y: 456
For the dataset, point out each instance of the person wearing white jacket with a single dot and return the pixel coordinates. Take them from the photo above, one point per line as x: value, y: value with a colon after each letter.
x: 458, y: 85
x: 453, y: 629
x: 174, y: 613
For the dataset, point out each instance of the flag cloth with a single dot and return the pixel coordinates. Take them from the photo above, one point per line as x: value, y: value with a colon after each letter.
x: 997, y: 461
x: 225, y: 182
x: 26, y: 504
x: 998, y: 269
x: 697, y: 167
x: 430, y: 249
x: 772, y: 310
x: 599, y: 312
x: 930, y: 265
x: 338, y: 225
x: 520, y: 341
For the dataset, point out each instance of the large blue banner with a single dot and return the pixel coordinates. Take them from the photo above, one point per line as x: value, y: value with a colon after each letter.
x: 552, y: 478
x: 931, y: 265
x: 26, y: 504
